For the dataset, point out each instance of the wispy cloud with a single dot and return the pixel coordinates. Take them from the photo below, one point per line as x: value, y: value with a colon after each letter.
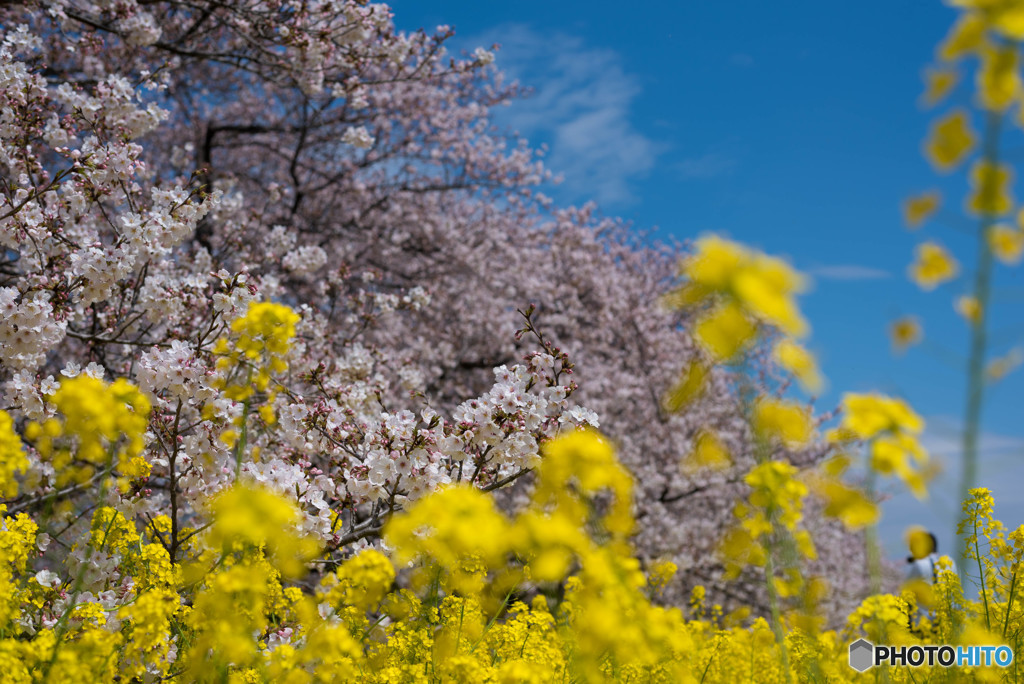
x: 741, y: 60
x: 848, y: 272
x: 581, y: 104
x: 710, y: 165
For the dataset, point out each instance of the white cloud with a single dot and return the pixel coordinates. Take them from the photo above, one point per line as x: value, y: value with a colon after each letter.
x: 848, y: 272
x: 710, y: 165
x: 742, y: 60
x: 581, y: 105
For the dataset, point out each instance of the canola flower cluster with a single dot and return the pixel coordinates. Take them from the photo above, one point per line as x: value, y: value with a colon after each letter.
x: 262, y: 339
x: 467, y: 593
x: 255, y: 353
x: 100, y: 426
x: 739, y: 293
x: 743, y: 301
x: 740, y: 298
x: 890, y: 427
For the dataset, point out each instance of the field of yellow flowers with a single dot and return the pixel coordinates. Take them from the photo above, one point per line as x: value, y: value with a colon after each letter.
x: 467, y: 592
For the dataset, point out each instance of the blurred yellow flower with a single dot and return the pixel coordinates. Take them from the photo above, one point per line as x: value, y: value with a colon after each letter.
x: 998, y: 81
x: 715, y: 262
x: 917, y: 209
x: 762, y: 285
x: 774, y: 485
x: 766, y: 290
x: 905, y: 332
x: 253, y: 515
x: 725, y: 331
x: 991, y: 189
x: 786, y: 421
x: 708, y: 452
x: 1006, y: 243
x: 966, y: 37
x: 951, y: 139
x: 1002, y: 366
x: 661, y: 574
x: 867, y: 415
x: 892, y: 454
x: 933, y: 266
x: 12, y: 457
x: 800, y: 362
x: 1008, y: 19
x: 849, y: 504
x: 688, y: 388
x: 968, y: 307
x: 938, y: 83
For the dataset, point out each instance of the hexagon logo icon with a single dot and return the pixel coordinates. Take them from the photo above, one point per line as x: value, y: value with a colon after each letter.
x: 862, y: 655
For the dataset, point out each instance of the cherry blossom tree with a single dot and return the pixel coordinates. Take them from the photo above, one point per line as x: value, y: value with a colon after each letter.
x: 166, y: 165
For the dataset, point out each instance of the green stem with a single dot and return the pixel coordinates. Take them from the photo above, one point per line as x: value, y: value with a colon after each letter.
x: 979, y: 337
x: 981, y: 574
x: 773, y: 603
x: 874, y: 556
x: 61, y: 628
x: 1009, y: 602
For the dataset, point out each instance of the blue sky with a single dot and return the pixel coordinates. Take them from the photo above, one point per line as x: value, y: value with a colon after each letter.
x: 794, y: 127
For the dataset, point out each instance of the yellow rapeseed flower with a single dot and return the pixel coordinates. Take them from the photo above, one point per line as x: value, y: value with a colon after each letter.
x: 785, y: 421
x: 260, y: 341
x: 96, y: 422
x: 938, y: 83
x: 998, y: 80
x: 12, y: 457
x: 1006, y: 243
x: 849, y: 504
x: 708, y: 452
x: 455, y: 523
x: 918, y: 541
x: 775, y: 486
x: 800, y: 362
x: 868, y: 415
x: 661, y: 574
x: 587, y: 459
x: 966, y: 37
x: 362, y: 581
x: 905, y: 332
x: 725, y: 331
x: 1008, y: 19
x: 951, y: 140
x: 766, y: 290
x: 715, y: 262
x: 688, y: 388
x: 256, y: 517
x: 933, y: 266
x: 265, y: 327
x: 764, y: 286
x: 897, y: 455
x: 991, y: 189
x: 917, y: 209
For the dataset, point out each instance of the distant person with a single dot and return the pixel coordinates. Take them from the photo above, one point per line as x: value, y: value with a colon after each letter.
x: 922, y: 572
x: 924, y: 556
